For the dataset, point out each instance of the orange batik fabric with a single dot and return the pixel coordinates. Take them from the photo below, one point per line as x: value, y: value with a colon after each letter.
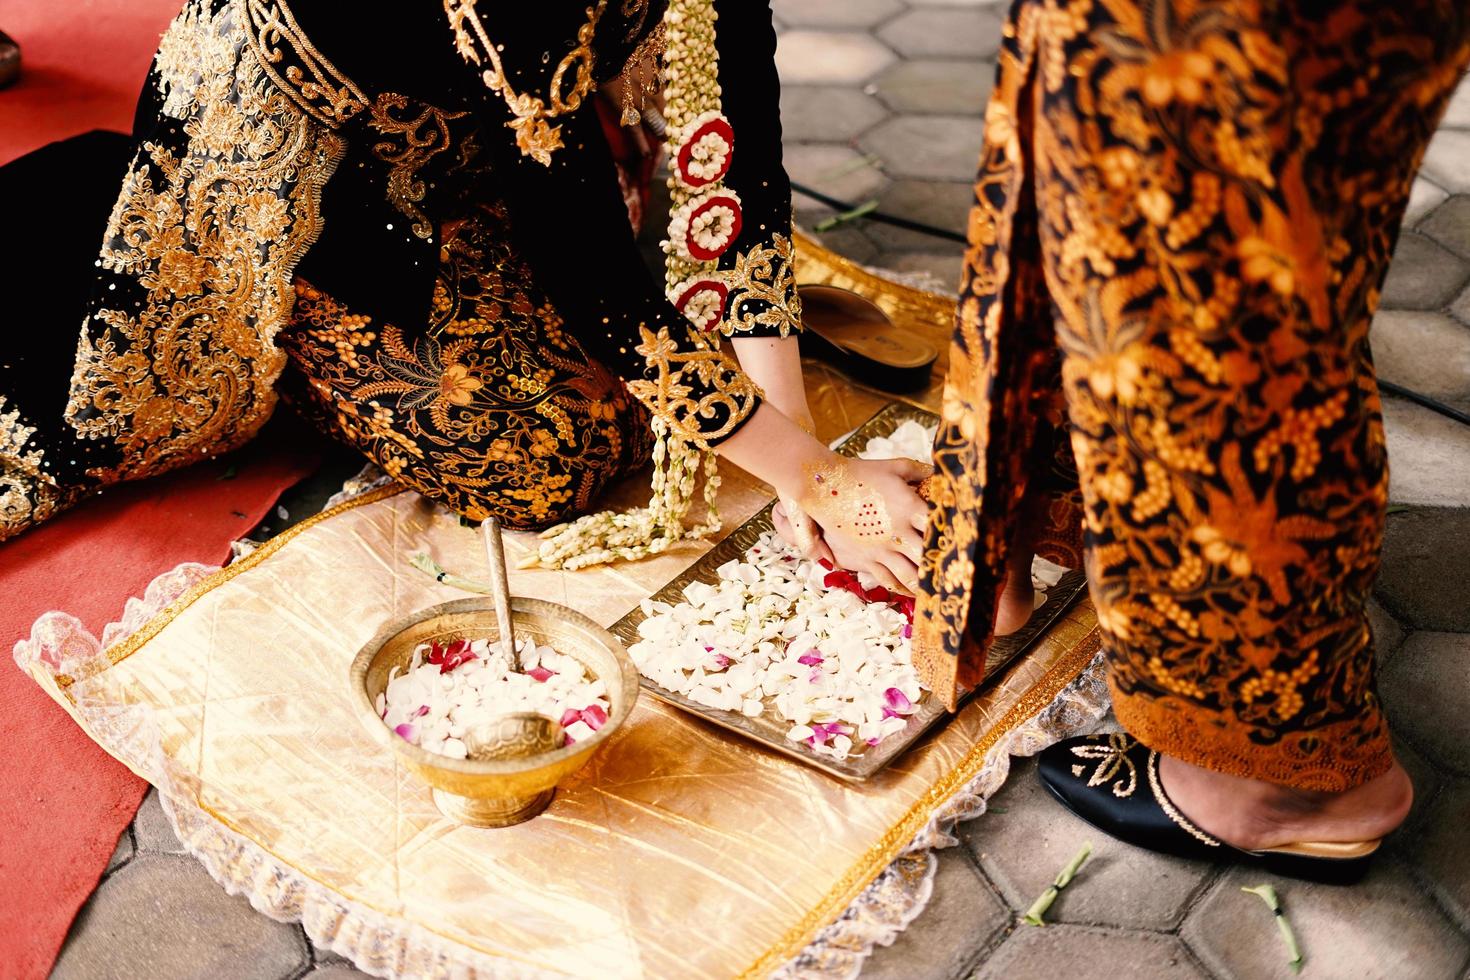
x: 1184, y: 214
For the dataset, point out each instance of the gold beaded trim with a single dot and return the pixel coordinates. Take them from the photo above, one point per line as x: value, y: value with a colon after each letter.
x: 1167, y: 805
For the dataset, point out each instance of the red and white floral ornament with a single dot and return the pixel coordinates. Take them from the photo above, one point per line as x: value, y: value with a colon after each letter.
x: 703, y: 156
x: 702, y: 300
x: 706, y: 225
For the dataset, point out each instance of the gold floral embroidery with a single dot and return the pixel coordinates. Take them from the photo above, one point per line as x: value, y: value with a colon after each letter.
x: 535, y: 136
x: 416, y: 136
x: 673, y: 398
x: 27, y: 495
x: 1113, y: 764
x: 298, y: 68
x: 762, y: 287
x: 191, y: 372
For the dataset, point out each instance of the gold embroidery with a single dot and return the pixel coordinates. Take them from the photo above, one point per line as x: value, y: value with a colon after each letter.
x: 536, y: 138
x: 1112, y: 761
x: 672, y: 398
x: 191, y: 372
x: 309, y: 78
x: 414, y: 140
x: 763, y: 290
x: 1167, y: 805
x: 27, y: 496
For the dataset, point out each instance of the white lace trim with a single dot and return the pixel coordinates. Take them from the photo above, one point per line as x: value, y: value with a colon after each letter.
x: 60, y: 644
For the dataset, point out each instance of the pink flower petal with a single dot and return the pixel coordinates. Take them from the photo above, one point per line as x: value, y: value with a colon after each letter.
x: 812, y: 658
x: 874, y: 740
x: 423, y: 710
x: 890, y: 713
x: 405, y: 732
x: 541, y: 674
x: 594, y: 716
x: 570, y: 717
x: 722, y: 661
x: 897, y: 700
x: 908, y: 631
x: 814, y: 676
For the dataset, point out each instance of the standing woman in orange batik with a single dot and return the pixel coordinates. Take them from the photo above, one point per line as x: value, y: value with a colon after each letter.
x: 1185, y: 210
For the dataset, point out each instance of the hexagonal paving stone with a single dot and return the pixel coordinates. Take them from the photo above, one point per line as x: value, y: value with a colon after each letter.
x: 829, y: 57
x: 934, y: 32
x: 931, y: 147
x: 1022, y: 848
x: 1424, y: 197
x: 152, y: 828
x: 960, y: 920
x: 928, y: 85
x: 825, y: 13
x: 1427, y: 780
x: 1457, y: 115
x: 1450, y: 225
x: 1079, y: 953
x: 1426, y: 691
x: 827, y: 114
x: 337, y: 971
x: 1447, y: 161
x: 163, y: 917
x: 1388, y: 633
x: 1423, y: 275
x: 1423, y: 578
x: 1461, y: 309
x: 1384, y: 928
x: 1429, y: 456
x: 942, y: 203
x: 834, y: 169
x: 1428, y: 352
x: 122, y: 853
x: 1439, y: 853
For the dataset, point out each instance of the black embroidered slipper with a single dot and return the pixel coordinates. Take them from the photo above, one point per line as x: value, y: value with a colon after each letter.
x: 852, y: 334
x: 1112, y: 782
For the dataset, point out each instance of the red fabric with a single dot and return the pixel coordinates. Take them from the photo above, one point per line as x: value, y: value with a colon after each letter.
x: 63, y: 801
x: 82, y: 65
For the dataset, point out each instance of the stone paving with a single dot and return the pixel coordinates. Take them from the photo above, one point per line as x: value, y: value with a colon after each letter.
x: 883, y: 101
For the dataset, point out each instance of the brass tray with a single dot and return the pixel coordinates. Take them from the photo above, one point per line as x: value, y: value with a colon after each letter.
x: 767, y: 728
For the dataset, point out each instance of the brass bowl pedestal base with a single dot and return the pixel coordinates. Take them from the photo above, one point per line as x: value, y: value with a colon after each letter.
x: 475, y: 811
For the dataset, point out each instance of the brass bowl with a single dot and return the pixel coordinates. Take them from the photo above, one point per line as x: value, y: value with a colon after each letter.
x: 515, y: 783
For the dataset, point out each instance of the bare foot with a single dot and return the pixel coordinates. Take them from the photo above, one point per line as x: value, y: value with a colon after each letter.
x: 1252, y: 814
x: 1017, y: 597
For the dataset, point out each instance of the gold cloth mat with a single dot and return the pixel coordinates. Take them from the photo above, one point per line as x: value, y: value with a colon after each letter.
x: 679, y: 851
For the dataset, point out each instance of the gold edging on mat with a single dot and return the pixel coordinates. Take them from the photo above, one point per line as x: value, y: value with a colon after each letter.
x: 120, y: 652
x: 882, y: 854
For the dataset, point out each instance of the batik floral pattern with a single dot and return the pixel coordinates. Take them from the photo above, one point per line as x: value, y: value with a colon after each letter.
x: 1195, y: 203
x: 489, y: 405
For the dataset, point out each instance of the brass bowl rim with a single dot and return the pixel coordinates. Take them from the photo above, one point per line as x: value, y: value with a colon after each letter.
x: 627, y: 680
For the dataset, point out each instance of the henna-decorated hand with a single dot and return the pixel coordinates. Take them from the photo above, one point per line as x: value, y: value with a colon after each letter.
x: 871, y: 516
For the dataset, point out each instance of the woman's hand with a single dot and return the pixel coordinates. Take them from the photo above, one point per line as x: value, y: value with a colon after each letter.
x: 872, y: 518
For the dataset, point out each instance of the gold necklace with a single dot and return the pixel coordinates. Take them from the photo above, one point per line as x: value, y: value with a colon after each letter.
x: 535, y: 136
